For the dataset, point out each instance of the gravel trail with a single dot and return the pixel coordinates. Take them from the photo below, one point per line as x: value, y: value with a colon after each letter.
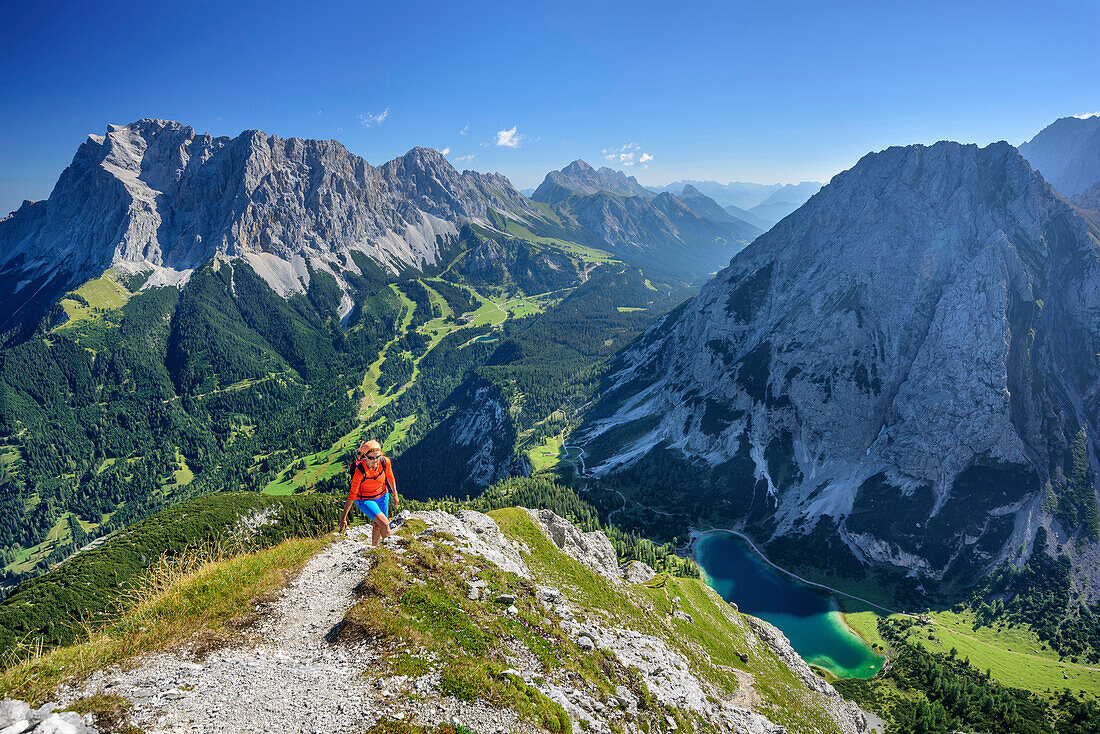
x: 285, y: 676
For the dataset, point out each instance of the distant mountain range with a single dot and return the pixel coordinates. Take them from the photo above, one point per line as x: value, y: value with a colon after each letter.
x: 188, y: 314
x: 767, y: 203
x: 1067, y: 153
x: 683, y: 238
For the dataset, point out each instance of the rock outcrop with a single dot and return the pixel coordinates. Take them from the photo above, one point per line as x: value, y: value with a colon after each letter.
x: 592, y: 548
x: 16, y: 717
x: 905, y: 364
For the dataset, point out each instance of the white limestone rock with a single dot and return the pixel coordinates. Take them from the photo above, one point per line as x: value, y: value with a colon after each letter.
x: 477, y: 534
x: 636, y: 572
x: 593, y: 549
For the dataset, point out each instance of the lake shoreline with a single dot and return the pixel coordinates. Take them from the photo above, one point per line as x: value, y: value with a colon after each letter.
x: 809, y: 614
x: 697, y: 535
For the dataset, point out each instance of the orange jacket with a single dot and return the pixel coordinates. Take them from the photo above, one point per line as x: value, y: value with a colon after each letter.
x: 370, y: 484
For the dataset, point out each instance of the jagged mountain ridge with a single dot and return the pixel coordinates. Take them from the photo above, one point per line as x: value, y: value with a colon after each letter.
x: 580, y: 178
x: 156, y: 195
x: 742, y: 194
x: 662, y: 232
x: 1067, y: 153
x: 905, y: 364
x: 708, y: 208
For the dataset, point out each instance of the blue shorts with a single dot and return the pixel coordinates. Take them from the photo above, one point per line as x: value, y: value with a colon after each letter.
x: 374, y: 508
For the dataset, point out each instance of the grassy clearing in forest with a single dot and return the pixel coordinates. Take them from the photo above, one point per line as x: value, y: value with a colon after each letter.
x: 1014, y: 655
x: 27, y: 558
x: 547, y: 454
x: 400, y: 430
x: 100, y: 294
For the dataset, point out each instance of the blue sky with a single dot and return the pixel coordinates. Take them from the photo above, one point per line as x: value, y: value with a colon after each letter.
x: 781, y: 91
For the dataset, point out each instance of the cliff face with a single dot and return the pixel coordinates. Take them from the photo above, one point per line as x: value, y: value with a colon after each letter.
x: 907, y: 362
x: 156, y: 195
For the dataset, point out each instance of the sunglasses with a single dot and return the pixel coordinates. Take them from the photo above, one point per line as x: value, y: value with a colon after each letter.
x: 373, y: 457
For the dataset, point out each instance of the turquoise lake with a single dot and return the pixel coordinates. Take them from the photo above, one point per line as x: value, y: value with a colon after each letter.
x: 807, y: 616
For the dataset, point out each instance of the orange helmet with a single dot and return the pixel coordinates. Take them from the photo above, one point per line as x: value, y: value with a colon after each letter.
x: 367, y: 446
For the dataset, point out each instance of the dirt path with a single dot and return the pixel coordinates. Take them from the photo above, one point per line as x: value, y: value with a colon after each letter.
x: 286, y: 674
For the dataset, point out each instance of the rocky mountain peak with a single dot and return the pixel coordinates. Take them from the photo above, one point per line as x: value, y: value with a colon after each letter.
x: 914, y: 335
x: 577, y: 168
x: 1067, y: 153
x: 580, y: 178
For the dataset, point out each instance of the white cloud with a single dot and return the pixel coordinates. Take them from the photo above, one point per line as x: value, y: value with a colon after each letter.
x: 464, y: 158
x: 339, y: 130
x: 509, y: 138
x: 626, y: 155
x: 319, y: 112
x: 446, y: 151
x: 366, y: 120
x: 1087, y: 116
x: 464, y: 130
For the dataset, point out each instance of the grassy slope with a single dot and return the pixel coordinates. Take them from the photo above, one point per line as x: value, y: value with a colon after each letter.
x: 175, y: 603
x: 711, y: 644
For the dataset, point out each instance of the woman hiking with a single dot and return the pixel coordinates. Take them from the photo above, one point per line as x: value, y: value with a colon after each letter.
x: 372, y: 484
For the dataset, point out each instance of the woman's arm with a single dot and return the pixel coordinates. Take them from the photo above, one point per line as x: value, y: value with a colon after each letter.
x: 352, y: 494
x: 347, y: 509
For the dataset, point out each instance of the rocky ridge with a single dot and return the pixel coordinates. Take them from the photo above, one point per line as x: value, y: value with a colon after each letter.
x: 917, y: 336
x: 708, y: 208
x: 155, y: 195
x: 325, y: 683
x: 580, y: 178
